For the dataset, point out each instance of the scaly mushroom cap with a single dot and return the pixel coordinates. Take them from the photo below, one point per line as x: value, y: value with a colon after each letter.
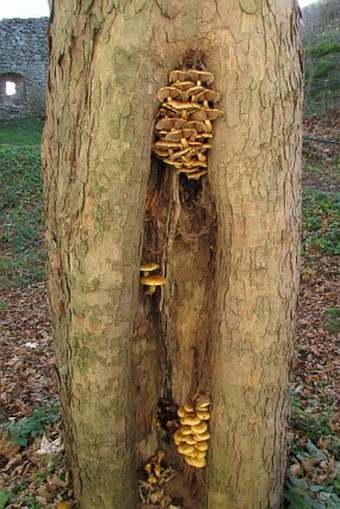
x: 184, y: 85
x: 208, y: 95
x: 210, y: 114
x: 202, y: 76
x: 149, y: 266
x: 194, y: 91
x: 200, y: 127
x: 170, y: 123
x: 178, y: 75
x: 168, y: 92
x: 178, y: 134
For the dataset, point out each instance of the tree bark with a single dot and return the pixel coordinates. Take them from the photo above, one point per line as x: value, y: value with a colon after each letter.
x: 228, y: 244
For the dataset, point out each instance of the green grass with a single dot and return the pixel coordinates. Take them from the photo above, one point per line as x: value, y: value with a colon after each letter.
x: 321, y: 222
x: 21, y: 132
x: 22, y: 253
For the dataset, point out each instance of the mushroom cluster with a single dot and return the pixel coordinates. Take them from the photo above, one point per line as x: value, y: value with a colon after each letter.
x: 183, y: 130
x: 151, y: 281
x: 154, y: 468
x: 192, y: 437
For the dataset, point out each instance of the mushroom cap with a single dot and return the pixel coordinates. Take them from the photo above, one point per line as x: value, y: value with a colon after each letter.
x: 188, y: 408
x: 203, y: 401
x: 196, y: 462
x: 171, y: 162
x: 166, y: 144
x: 181, y: 412
x: 208, y: 95
x: 161, y: 153
x: 178, y: 134
x: 198, y: 454
x: 205, y: 416
x: 203, y: 76
x: 178, y: 436
x: 189, y: 439
x: 209, y: 114
x: 160, y: 455
x: 149, y: 266
x: 152, y: 479
x: 165, y: 92
x: 202, y: 437
x: 184, y: 85
x: 196, y: 175
x: 153, y: 280
x: 182, y: 105
x: 170, y: 123
x: 178, y: 75
x: 199, y: 428
x: 202, y: 446
x: 184, y: 448
x: 190, y: 420
x: 174, y: 135
x: 200, y: 127
x: 181, y: 153
x: 186, y: 430
x: 195, y: 163
x: 194, y: 91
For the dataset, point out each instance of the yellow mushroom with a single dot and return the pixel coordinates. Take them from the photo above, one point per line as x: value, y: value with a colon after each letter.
x: 201, y: 437
x: 205, y: 416
x: 190, y: 420
x: 181, y: 412
x: 188, y: 408
x: 152, y: 282
x: 185, y: 448
x: 200, y: 428
x: 202, y: 446
x: 148, y: 267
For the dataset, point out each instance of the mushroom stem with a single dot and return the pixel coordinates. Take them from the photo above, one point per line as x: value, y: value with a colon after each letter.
x: 151, y: 290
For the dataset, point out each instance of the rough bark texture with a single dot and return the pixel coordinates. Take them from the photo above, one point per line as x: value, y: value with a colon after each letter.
x: 223, y: 324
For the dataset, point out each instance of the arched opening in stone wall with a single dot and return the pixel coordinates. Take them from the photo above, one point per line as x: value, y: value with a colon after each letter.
x: 12, y: 89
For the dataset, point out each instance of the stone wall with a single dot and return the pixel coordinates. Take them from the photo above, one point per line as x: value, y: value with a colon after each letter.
x: 24, y: 62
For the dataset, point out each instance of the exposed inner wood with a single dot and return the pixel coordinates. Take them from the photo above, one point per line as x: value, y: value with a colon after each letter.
x: 173, y: 333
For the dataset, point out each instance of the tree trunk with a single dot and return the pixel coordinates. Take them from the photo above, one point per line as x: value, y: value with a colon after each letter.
x: 228, y: 244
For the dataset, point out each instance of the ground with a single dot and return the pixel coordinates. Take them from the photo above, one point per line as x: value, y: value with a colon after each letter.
x: 33, y: 471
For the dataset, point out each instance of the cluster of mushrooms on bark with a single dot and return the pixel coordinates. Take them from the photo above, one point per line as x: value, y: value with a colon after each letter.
x: 183, y: 133
x: 183, y: 130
